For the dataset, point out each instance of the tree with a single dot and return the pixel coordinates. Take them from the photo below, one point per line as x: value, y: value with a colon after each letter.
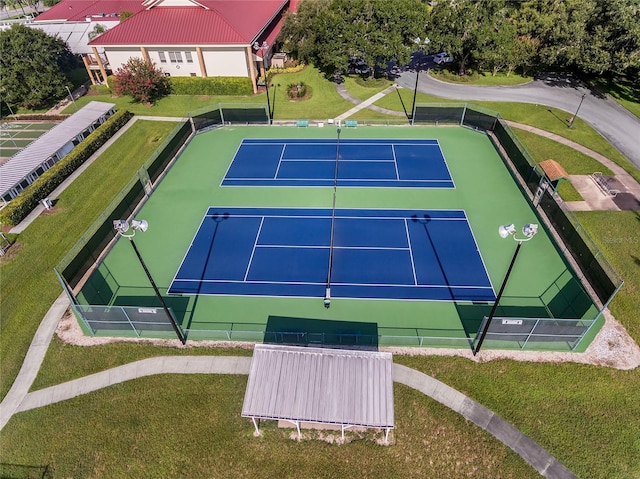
x: 33, y: 66
x: 332, y: 32
x: 142, y: 80
x: 98, y: 29
x: 456, y: 26
x: 298, y: 30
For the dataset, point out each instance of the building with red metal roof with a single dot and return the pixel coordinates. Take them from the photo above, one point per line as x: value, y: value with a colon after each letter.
x: 183, y: 37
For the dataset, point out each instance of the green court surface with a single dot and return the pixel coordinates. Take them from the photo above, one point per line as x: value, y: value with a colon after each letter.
x: 541, y: 285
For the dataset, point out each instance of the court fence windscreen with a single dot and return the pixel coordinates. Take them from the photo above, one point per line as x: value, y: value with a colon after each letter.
x: 227, y: 114
x: 590, y: 264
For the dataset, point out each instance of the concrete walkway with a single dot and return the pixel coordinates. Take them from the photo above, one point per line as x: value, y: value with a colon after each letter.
x: 33, y: 360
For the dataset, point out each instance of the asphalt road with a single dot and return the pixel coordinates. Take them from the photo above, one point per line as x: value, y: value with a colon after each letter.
x: 616, y: 124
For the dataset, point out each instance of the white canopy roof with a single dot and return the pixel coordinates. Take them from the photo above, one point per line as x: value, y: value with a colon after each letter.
x: 327, y: 386
x: 24, y: 162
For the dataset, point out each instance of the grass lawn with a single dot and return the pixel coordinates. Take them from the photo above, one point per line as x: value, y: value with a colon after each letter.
x: 28, y: 283
x: 623, y: 90
x: 172, y: 105
x: 617, y: 234
x: 364, y: 89
x: 482, y: 78
x: 324, y: 101
x: 190, y: 426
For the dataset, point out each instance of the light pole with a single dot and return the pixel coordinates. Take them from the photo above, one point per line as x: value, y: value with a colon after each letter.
x: 529, y: 231
x: 264, y: 48
x: 421, y: 44
x: 573, y: 118
x: 72, y: 99
x: 121, y: 227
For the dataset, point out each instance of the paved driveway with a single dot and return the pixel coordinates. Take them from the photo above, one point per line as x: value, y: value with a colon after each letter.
x: 616, y: 124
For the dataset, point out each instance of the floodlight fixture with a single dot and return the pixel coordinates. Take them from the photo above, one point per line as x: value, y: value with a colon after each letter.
x: 529, y: 231
x: 140, y: 225
x: 121, y: 226
x: 506, y: 230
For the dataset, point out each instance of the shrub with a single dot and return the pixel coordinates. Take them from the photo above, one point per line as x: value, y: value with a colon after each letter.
x: 142, y: 80
x: 296, y: 91
x: 211, y: 86
x: 25, y: 202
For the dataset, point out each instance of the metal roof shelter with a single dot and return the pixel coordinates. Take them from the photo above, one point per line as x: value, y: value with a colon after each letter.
x: 322, y: 386
x: 57, y: 141
x: 554, y: 170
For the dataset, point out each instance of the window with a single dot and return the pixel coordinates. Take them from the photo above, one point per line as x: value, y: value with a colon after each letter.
x: 175, y: 57
x: 193, y: 74
x: 163, y: 58
x: 188, y: 56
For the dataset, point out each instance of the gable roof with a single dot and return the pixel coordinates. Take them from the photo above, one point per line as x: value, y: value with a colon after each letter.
x: 225, y: 22
x: 79, y: 10
x: 326, y: 386
x: 553, y: 170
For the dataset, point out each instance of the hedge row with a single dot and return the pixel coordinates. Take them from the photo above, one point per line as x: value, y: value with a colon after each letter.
x: 25, y: 202
x: 211, y: 86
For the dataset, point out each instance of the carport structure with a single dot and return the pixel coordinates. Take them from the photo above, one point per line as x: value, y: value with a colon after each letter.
x: 346, y: 388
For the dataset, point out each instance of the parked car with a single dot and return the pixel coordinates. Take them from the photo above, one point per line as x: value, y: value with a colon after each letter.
x: 442, y: 57
x: 356, y: 65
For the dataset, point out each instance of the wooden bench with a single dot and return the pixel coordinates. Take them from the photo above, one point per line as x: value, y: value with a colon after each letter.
x: 601, y: 181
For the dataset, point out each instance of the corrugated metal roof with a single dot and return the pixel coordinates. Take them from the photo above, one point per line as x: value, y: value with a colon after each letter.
x: 27, y: 160
x: 226, y: 22
x: 328, y: 386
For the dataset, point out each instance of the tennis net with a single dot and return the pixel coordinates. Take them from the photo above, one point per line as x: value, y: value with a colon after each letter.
x: 327, y: 293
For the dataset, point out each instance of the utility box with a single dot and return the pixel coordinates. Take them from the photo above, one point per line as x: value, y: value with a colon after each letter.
x: 278, y: 60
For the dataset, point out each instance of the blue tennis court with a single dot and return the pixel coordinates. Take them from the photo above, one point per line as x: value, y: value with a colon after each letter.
x: 378, y: 254
x: 362, y: 162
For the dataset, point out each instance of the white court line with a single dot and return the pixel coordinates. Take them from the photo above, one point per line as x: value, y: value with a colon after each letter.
x: 255, y: 243
x: 364, y: 248
x: 395, y: 161
x: 403, y: 285
x: 280, y: 160
x: 413, y: 266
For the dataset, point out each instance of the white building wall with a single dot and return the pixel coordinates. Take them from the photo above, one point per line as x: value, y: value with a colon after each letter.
x: 119, y: 56
x: 229, y: 62
x: 219, y: 61
x: 178, y: 69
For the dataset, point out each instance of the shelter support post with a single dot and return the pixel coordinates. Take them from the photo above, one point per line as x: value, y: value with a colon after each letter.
x: 255, y: 424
